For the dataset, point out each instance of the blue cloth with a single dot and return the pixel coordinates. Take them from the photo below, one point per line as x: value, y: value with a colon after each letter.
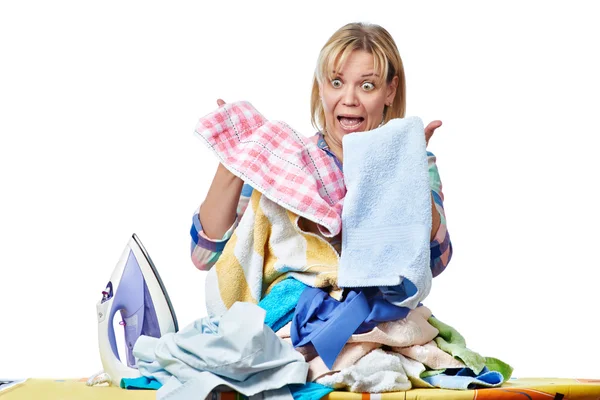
x: 309, y: 391
x: 281, y: 302
x: 386, y: 219
x: 328, y: 324
x: 465, y: 378
x: 381, y: 310
x: 236, y: 350
x: 142, y: 382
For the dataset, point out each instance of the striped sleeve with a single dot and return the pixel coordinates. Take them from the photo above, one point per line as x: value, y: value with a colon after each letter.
x: 441, y: 247
x: 206, y: 251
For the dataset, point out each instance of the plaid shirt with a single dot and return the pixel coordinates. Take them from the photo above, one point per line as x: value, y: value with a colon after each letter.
x: 206, y: 251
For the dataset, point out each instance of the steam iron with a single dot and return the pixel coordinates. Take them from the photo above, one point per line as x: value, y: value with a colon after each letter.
x: 136, y: 290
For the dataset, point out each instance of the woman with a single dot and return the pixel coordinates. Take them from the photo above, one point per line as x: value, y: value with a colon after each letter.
x: 358, y: 85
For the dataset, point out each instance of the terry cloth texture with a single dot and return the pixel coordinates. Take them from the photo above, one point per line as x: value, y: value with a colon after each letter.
x: 267, y: 247
x: 452, y: 342
x: 281, y: 302
x: 386, y: 217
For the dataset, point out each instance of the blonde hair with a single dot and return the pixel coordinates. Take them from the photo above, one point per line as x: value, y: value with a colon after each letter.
x: 386, y: 61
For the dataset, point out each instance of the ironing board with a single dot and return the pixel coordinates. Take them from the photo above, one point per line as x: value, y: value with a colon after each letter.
x: 521, y: 389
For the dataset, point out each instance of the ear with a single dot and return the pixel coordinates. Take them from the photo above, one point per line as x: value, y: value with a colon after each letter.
x: 391, y: 90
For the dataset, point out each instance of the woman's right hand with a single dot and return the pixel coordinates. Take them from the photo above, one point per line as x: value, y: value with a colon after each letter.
x: 218, y: 211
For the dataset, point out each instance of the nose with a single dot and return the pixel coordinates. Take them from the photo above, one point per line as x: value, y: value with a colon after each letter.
x: 349, y: 97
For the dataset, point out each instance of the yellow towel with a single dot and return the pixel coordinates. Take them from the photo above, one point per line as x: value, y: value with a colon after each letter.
x: 266, y: 247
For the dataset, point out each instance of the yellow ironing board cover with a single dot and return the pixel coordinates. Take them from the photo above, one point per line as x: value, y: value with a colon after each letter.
x: 521, y: 389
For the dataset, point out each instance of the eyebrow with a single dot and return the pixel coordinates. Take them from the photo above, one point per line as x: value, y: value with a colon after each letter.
x: 362, y: 76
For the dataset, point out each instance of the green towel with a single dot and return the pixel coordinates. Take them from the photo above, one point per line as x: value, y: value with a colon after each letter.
x: 452, y: 342
x: 494, y: 364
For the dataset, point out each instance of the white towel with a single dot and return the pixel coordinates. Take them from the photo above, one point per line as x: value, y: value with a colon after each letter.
x: 386, y: 219
x: 377, y: 372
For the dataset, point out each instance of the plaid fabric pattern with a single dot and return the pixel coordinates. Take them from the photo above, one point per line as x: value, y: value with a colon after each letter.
x: 205, y: 251
x: 441, y: 246
x: 277, y: 161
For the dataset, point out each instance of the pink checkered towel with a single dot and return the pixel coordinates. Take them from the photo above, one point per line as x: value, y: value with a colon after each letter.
x: 277, y: 161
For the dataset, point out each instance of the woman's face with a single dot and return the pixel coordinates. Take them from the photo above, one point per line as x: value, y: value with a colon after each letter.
x: 353, y: 100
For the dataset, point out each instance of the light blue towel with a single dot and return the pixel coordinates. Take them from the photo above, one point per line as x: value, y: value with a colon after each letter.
x: 386, y: 219
x: 466, y: 379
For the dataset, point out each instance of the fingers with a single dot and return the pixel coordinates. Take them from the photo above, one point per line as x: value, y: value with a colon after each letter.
x: 220, y: 102
x: 430, y: 129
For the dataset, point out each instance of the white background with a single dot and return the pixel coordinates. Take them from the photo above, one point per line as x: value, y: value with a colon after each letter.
x: 99, y: 100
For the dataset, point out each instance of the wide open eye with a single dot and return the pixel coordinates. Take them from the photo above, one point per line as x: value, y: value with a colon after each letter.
x: 336, y: 83
x: 368, y: 86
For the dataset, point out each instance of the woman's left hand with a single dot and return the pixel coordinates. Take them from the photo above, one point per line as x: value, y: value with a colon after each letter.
x: 430, y: 129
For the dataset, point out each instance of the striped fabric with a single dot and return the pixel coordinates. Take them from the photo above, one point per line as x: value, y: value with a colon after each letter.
x: 266, y: 247
x: 440, y: 247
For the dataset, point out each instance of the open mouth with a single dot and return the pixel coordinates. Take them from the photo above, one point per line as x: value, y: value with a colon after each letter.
x: 350, y: 123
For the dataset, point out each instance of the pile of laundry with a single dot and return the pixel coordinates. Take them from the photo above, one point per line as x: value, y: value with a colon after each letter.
x: 289, y: 344
x: 385, y: 352
x: 290, y: 317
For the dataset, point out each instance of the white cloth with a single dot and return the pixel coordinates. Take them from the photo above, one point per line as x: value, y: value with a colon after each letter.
x: 376, y: 372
